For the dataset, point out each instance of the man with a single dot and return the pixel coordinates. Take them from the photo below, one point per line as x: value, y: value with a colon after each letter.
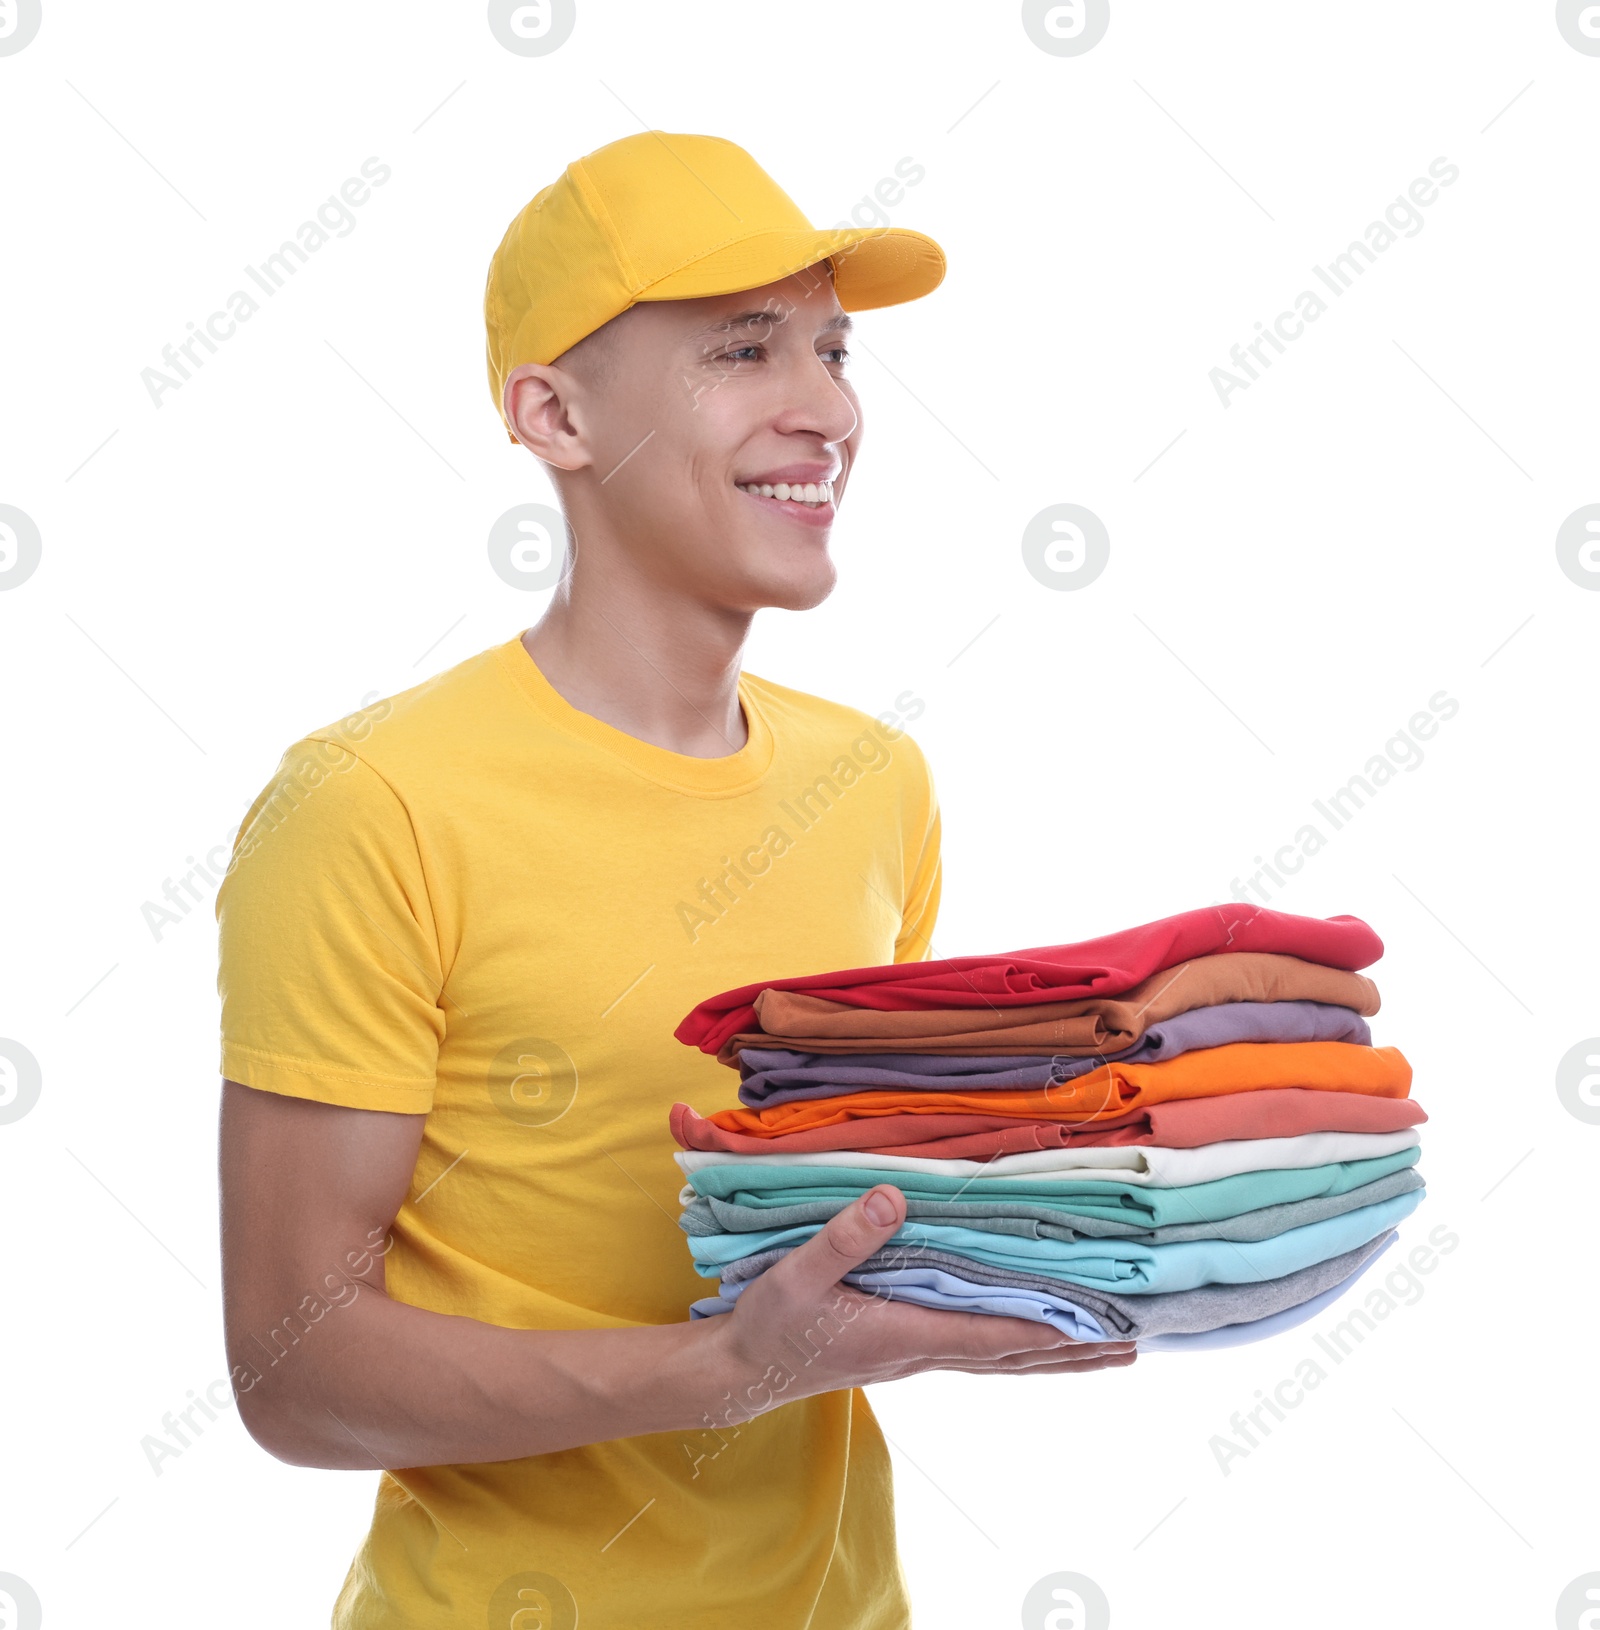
x: 461, y: 925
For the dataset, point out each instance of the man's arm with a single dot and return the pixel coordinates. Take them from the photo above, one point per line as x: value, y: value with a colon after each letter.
x: 357, y: 1380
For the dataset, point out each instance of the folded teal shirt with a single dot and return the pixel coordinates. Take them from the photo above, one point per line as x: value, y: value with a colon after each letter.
x: 707, y: 1214
x: 1121, y: 1265
x: 768, y: 1184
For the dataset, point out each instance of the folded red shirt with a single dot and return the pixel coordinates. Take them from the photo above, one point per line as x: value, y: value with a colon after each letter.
x: 1106, y: 966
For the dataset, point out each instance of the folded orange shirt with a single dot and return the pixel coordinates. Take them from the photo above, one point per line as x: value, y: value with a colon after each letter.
x: 1113, y: 1089
x: 1185, y: 1123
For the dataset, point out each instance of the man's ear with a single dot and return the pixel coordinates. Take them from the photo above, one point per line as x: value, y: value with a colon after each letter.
x: 540, y: 402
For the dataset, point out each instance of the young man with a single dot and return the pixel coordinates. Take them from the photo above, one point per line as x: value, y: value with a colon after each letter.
x: 461, y: 926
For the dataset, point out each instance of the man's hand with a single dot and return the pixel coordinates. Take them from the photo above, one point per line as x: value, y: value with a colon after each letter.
x: 345, y: 1376
x: 797, y: 1320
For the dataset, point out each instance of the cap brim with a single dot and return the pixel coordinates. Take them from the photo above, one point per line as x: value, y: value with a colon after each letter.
x: 872, y: 266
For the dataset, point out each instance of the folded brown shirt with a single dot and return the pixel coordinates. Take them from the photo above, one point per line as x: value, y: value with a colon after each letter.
x: 1087, y: 1025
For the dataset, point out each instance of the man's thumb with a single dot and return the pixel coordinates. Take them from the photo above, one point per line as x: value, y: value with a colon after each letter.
x: 849, y: 1237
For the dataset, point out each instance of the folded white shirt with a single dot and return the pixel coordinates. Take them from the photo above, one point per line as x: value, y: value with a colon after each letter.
x: 1127, y: 1163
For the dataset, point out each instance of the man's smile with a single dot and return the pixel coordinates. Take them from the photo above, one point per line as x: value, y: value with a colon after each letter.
x: 801, y: 493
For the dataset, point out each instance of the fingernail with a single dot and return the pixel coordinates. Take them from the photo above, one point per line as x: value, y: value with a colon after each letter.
x: 879, y: 1208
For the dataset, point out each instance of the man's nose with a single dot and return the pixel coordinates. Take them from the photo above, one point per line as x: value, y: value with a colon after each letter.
x: 815, y: 404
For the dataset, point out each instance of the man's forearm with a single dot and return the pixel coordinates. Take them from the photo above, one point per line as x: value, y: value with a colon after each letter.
x: 380, y: 1383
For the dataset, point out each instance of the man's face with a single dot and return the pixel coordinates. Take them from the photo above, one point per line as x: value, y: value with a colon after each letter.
x: 709, y: 410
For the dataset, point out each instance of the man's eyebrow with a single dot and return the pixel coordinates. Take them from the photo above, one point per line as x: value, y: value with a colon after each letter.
x: 745, y: 319
x: 840, y: 323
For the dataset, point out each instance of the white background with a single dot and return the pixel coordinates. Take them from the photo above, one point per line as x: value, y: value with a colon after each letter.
x: 303, y: 524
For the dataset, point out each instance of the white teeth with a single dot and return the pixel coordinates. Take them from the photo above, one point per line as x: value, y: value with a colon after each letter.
x: 810, y: 492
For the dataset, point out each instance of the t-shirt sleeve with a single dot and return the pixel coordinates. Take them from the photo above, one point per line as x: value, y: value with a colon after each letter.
x: 914, y: 943
x: 329, y: 967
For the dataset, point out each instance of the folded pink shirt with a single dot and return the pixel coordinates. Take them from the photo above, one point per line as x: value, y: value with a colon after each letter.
x: 1106, y: 966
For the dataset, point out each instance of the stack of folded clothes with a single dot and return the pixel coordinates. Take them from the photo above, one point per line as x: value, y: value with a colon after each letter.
x: 1179, y: 1134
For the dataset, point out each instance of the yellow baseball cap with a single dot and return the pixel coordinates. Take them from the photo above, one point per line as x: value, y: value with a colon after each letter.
x: 665, y: 217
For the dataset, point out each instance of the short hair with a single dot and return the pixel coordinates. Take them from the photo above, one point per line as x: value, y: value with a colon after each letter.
x: 594, y: 357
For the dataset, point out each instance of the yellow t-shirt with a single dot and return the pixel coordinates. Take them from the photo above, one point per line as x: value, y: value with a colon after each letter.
x: 473, y: 901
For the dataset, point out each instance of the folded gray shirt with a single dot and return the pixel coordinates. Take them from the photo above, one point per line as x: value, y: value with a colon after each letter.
x: 772, y: 1075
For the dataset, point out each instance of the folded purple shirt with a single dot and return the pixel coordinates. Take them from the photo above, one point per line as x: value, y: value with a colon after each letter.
x: 772, y: 1075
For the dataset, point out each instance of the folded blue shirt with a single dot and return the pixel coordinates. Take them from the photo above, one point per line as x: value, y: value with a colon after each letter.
x: 932, y: 1288
x: 929, y: 1287
x: 1120, y: 1265
x: 1240, y: 1335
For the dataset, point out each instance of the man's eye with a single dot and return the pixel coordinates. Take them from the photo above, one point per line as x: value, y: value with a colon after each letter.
x: 745, y: 353
x: 837, y: 353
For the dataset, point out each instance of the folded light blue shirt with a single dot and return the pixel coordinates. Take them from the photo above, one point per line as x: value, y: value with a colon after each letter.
x: 1079, y: 1312
x: 931, y: 1287
x: 1240, y: 1335
x: 1120, y: 1265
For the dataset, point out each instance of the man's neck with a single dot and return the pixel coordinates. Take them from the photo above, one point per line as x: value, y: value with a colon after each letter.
x: 662, y: 671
